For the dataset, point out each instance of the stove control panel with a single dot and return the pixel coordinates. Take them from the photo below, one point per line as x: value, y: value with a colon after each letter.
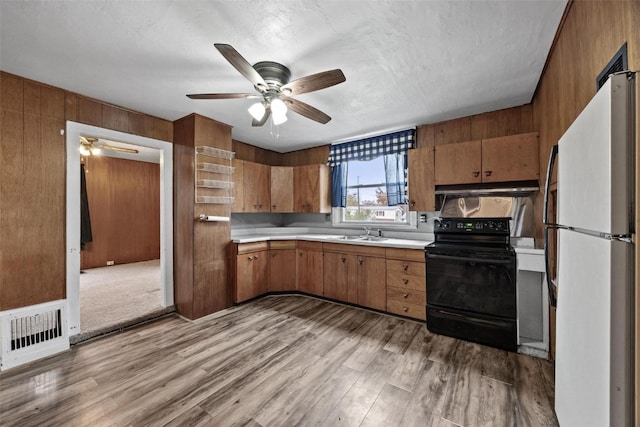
x: 499, y: 226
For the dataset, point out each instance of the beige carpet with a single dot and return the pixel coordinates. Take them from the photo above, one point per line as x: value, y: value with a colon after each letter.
x: 117, y: 296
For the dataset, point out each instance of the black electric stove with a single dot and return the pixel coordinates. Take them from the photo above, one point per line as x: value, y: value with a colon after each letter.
x: 471, y: 281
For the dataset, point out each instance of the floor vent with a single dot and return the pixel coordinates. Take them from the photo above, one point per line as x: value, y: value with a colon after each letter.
x: 618, y: 63
x: 31, y: 333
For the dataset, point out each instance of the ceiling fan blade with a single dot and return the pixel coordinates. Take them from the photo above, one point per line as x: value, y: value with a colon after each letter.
x: 222, y: 95
x: 314, y: 82
x: 120, y: 149
x: 241, y: 65
x: 264, y: 119
x: 305, y: 110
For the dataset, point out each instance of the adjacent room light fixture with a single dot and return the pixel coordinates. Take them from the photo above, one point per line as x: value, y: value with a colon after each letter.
x: 89, y: 150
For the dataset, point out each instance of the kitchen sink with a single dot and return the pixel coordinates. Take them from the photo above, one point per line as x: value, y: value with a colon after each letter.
x: 362, y: 238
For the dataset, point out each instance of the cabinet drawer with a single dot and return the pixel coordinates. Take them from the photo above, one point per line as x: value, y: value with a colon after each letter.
x: 410, y: 296
x: 406, y: 282
x: 282, y: 244
x: 244, y: 248
x: 396, y: 268
x: 309, y: 246
x: 406, y: 254
x: 407, y: 309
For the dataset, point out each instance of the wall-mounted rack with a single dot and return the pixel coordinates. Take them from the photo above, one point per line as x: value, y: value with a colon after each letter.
x: 213, y: 179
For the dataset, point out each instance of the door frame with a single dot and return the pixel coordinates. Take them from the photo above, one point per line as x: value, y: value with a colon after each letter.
x: 73, y: 132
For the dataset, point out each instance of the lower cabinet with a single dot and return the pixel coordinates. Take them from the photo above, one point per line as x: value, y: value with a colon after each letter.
x: 340, y: 276
x: 355, y: 274
x: 406, y: 283
x: 390, y: 279
x: 309, y: 267
x: 252, y: 266
x: 282, y: 266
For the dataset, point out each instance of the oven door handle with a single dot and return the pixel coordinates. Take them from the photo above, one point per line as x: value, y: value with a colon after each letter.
x: 470, y: 259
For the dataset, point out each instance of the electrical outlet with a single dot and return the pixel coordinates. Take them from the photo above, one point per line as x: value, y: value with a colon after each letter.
x: 110, y: 262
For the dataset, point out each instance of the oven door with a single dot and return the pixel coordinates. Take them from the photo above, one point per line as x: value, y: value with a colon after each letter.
x: 472, y: 280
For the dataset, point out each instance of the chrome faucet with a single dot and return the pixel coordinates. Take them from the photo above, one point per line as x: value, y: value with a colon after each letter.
x: 367, y: 231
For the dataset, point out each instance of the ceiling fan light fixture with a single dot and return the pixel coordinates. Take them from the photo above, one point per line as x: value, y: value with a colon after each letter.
x: 278, y: 108
x: 279, y: 119
x: 257, y: 110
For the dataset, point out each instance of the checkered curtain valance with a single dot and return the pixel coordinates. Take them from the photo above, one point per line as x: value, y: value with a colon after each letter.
x: 370, y: 148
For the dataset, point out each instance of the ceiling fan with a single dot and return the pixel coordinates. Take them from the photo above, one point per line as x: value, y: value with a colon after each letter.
x: 90, y: 145
x: 271, y: 80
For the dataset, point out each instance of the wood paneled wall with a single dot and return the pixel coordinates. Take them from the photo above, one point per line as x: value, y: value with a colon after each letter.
x: 201, y: 266
x: 124, y: 205
x: 309, y: 156
x: 592, y: 32
x: 32, y: 181
x: 510, y: 121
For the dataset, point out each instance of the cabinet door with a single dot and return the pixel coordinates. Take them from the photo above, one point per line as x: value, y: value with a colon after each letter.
x: 309, y: 271
x: 421, y: 180
x: 281, y: 189
x: 282, y: 270
x: 340, y: 277
x: 510, y: 158
x: 458, y: 163
x: 372, y: 289
x: 312, y: 189
x: 256, y: 187
x: 251, y: 275
x: 238, y: 187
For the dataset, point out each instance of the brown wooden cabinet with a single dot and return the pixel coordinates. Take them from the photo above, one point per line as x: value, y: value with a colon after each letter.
x: 510, y: 158
x: 459, y: 163
x: 256, y: 179
x: 281, y: 189
x: 406, y: 275
x: 355, y: 274
x: 251, y: 270
x: 421, y: 179
x: 238, y: 186
x: 340, y: 276
x: 502, y: 159
x: 312, y: 189
x: 282, y: 266
x: 309, y: 274
x: 372, y: 291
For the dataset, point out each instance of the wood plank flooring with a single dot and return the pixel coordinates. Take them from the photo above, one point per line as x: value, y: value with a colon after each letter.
x: 280, y: 361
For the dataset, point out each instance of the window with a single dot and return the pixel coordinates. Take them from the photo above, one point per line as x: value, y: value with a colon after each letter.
x: 367, y: 194
x: 369, y: 181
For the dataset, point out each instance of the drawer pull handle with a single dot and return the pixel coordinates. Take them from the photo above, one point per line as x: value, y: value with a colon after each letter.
x: 344, y: 259
x: 255, y: 257
x: 405, y: 295
x: 405, y: 309
x: 405, y: 281
x: 405, y: 267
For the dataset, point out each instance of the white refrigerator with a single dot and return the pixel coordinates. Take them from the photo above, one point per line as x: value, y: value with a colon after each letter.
x: 594, y: 375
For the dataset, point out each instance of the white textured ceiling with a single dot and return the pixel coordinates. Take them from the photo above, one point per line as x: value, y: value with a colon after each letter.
x: 406, y: 62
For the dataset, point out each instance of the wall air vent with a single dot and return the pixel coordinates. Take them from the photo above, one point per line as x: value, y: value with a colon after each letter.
x: 618, y: 63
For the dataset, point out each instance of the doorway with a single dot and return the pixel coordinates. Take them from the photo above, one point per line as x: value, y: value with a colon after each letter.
x: 73, y: 133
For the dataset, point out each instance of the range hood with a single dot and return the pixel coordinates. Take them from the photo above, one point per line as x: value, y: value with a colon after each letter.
x: 513, y: 189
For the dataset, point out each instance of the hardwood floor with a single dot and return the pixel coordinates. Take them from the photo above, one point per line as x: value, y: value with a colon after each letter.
x: 283, y: 360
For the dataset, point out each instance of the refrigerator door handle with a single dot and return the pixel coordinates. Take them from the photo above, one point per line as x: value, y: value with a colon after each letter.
x: 547, y: 267
x: 547, y: 186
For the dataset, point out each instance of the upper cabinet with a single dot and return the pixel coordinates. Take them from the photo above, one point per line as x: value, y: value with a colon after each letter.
x: 459, y: 163
x: 311, y: 189
x: 252, y: 189
x: 510, y: 158
x: 421, y: 194
x: 263, y: 188
x: 507, y: 158
x: 281, y: 189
